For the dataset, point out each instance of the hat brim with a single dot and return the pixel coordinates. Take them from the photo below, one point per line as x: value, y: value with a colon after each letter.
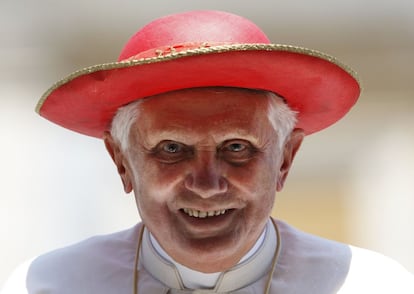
x: 316, y: 85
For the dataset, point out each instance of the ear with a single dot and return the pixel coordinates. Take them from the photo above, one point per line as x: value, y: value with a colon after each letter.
x: 118, y: 157
x: 291, y: 147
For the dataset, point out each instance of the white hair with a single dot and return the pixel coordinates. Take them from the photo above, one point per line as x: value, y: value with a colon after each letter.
x: 281, y: 117
x: 122, y: 122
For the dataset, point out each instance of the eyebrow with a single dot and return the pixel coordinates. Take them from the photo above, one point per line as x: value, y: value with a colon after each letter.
x: 190, y: 138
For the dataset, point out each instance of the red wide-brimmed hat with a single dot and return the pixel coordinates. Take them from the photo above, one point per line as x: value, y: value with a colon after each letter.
x: 202, y: 49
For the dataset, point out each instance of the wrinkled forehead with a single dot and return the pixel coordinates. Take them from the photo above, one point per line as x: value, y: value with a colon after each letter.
x: 204, y: 111
x: 197, y: 102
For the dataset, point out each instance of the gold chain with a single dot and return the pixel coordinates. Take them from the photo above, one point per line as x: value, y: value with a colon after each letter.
x: 141, y: 233
x: 269, y: 279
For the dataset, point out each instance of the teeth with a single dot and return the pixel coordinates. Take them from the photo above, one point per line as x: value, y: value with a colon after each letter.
x: 203, y: 214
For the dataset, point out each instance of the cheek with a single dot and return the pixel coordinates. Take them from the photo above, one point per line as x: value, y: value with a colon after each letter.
x: 257, y: 177
x: 162, y: 177
x: 155, y: 184
x: 152, y: 198
x: 259, y: 182
x: 155, y: 193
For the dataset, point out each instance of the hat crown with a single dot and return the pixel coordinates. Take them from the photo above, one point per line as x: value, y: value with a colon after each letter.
x: 193, y: 27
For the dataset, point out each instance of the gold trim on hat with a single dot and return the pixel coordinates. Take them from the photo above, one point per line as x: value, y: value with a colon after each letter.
x: 172, y: 54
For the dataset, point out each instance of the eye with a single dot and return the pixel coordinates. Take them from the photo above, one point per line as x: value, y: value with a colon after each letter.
x: 172, y: 147
x: 171, y: 151
x: 236, y: 147
x: 237, y: 151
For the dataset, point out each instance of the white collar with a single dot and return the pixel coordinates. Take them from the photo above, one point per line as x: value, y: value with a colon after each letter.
x: 251, y: 267
x: 197, y: 280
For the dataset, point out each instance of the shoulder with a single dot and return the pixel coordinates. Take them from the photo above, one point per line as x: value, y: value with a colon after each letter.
x: 327, y: 266
x: 311, y: 264
x: 102, y: 248
x: 372, y: 272
x: 78, y: 268
x: 307, y: 248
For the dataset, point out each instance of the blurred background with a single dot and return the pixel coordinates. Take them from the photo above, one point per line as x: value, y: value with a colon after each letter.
x: 353, y: 182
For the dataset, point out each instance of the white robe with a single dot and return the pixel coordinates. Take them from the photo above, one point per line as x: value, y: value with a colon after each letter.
x: 307, y: 264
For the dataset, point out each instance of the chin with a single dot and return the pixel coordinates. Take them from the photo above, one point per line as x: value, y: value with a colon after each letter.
x: 213, y: 254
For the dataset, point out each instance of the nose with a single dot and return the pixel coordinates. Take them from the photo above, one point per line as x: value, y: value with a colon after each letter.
x: 205, y: 177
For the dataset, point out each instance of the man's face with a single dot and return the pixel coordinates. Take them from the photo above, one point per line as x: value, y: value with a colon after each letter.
x: 204, y: 165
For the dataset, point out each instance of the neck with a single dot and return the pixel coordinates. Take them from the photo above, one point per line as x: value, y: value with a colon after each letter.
x: 254, y: 265
x: 198, y: 280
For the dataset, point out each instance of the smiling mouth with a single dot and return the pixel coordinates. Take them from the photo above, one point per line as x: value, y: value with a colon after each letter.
x: 204, y: 214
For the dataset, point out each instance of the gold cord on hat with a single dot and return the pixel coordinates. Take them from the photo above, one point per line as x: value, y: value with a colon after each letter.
x: 269, y: 279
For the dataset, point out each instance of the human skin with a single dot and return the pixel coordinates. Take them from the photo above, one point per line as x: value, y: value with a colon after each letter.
x: 205, y: 166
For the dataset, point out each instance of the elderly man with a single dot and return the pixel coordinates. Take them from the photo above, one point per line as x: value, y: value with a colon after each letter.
x: 202, y: 117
